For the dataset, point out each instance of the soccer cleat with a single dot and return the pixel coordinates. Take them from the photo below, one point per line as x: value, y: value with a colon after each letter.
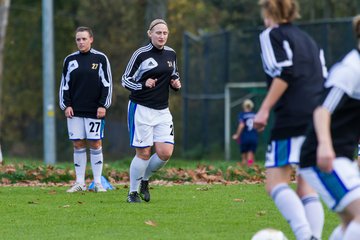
x: 77, y: 187
x: 144, y: 190
x: 133, y: 197
x: 99, y: 188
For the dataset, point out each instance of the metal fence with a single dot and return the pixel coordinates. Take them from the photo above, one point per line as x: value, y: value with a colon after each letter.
x: 211, y: 61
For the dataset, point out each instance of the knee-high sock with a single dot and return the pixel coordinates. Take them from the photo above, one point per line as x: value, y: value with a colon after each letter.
x: 97, y: 161
x: 155, y: 163
x: 137, y: 170
x: 290, y: 206
x: 352, y: 232
x: 337, y: 233
x: 314, y: 213
x: 80, y: 159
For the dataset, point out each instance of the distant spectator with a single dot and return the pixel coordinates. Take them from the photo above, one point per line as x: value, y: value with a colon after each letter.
x: 246, y: 134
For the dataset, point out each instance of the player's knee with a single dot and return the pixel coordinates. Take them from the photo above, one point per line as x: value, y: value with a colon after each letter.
x: 270, y: 185
x: 95, y: 144
x: 143, y: 153
x: 303, y: 188
x: 164, y: 154
x: 78, y: 144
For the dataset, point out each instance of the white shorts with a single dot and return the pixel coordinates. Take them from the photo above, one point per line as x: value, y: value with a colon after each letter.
x: 147, y: 125
x: 284, y: 152
x: 85, y: 128
x: 338, y: 188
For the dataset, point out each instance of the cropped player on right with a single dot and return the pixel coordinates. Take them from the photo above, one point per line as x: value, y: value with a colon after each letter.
x: 295, y: 74
x: 327, y: 154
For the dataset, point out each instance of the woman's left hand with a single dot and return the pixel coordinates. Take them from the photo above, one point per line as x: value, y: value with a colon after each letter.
x: 101, y: 111
x: 176, y: 83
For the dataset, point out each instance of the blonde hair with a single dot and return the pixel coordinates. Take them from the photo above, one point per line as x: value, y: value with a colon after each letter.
x: 248, y: 104
x: 280, y: 10
x: 356, y: 26
x: 156, y: 22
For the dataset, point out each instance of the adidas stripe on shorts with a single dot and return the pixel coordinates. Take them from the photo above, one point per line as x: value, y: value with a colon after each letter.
x: 85, y: 128
x: 338, y: 188
x: 284, y: 152
x: 147, y: 125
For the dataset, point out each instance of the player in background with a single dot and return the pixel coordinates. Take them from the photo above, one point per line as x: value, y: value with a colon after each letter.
x: 85, y: 95
x: 151, y: 71
x: 246, y: 134
x: 328, y: 152
x: 295, y: 75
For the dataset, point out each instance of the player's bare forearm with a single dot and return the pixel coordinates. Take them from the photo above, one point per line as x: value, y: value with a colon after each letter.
x: 322, y: 125
x: 325, y: 152
x: 277, y: 89
x: 238, y: 131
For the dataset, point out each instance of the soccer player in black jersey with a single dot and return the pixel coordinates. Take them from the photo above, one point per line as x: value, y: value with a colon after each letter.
x: 327, y: 155
x: 295, y: 74
x: 85, y: 94
x: 151, y: 71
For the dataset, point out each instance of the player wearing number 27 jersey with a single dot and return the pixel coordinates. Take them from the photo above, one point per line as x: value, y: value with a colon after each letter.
x: 85, y: 95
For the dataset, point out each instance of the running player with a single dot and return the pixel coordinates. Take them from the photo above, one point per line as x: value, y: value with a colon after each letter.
x: 246, y: 134
x: 292, y: 63
x: 328, y: 151
x: 85, y: 95
x: 151, y: 71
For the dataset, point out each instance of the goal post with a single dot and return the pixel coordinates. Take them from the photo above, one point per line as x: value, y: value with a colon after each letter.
x: 229, y: 104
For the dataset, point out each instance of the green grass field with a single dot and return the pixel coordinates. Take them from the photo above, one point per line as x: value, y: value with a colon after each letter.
x: 175, y: 212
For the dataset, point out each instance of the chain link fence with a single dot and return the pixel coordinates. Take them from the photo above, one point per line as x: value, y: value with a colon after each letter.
x: 210, y: 61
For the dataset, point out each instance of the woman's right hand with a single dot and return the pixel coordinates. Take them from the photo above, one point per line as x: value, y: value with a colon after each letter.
x: 260, y: 120
x: 150, y: 83
x: 69, y: 112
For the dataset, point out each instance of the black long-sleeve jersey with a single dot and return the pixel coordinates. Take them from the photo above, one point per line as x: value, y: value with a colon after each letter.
x: 343, y: 102
x: 150, y: 62
x: 292, y: 55
x: 86, y: 83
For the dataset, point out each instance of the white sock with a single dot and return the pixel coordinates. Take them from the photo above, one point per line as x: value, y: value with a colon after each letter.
x: 155, y: 163
x: 352, y: 232
x: 314, y: 214
x: 80, y: 160
x: 290, y: 206
x: 337, y: 233
x: 96, y: 158
x: 137, y: 170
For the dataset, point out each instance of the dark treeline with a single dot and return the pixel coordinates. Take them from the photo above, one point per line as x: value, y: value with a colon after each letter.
x: 119, y: 28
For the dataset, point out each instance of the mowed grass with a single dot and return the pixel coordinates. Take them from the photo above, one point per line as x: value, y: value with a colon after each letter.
x: 175, y: 212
